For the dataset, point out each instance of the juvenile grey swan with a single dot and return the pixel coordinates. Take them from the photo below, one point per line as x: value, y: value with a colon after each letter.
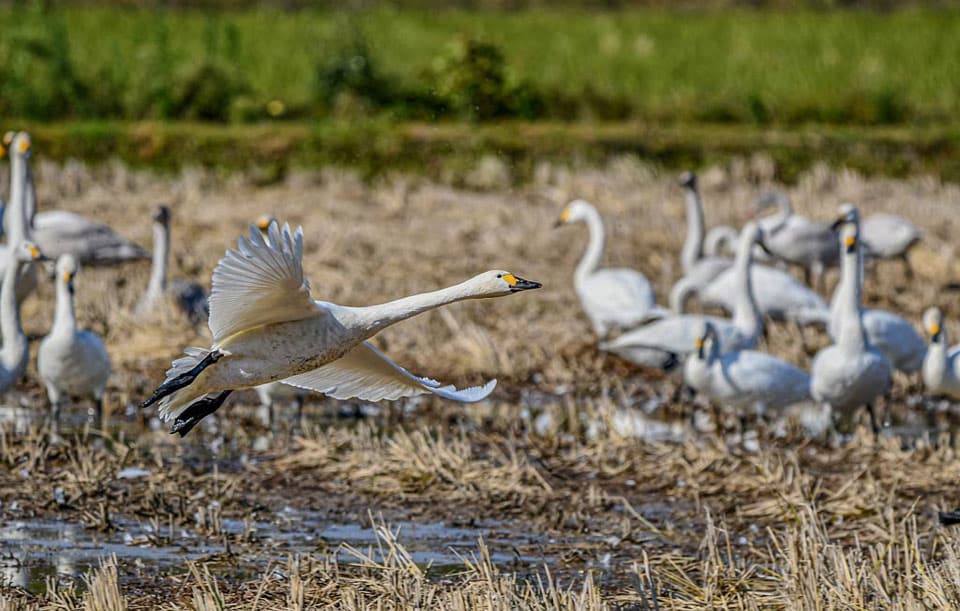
x: 662, y: 343
x: 612, y: 298
x: 798, y: 240
x: 266, y: 327
x: 893, y: 335
x: 745, y: 380
x: 189, y: 297
x: 941, y: 365
x: 72, y: 362
x: 851, y: 373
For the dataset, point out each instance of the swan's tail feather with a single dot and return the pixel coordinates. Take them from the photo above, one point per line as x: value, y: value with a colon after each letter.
x: 197, y: 411
x: 175, y: 395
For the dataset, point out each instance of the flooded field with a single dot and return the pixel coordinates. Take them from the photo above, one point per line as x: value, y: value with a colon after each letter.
x: 583, y: 482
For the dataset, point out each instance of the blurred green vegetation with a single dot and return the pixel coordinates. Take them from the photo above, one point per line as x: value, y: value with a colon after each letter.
x: 735, y: 66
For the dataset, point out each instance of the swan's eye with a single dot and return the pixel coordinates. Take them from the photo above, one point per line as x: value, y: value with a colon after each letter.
x: 499, y: 275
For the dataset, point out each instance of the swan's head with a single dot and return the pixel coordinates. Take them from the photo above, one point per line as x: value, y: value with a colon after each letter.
x: 847, y: 215
x: 27, y: 251
x: 687, y: 180
x: 577, y: 211
x: 497, y: 283
x: 263, y: 222
x: 848, y: 238
x: 6, y: 142
x: 933, y: 324
x: 20, y: 144
x: 704, y: 335
x: 67, y: 270
x: 162, y: 215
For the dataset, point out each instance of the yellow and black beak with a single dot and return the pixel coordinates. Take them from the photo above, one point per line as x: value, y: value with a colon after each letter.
x: 698, y: 344
x: 934, y: 332
x: 68, y: 278
x: 263, y: 223
x: 519, y: 284
x: 35, y: 253
x: 564, y: 217
x: 24, y: 148
x: 850, y: 244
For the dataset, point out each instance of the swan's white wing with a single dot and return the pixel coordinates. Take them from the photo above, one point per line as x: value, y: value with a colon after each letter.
x: 366, y: 373
x: 260, y: 283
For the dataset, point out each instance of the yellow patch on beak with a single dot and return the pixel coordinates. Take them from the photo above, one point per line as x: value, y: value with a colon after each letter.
x: 263, y: 222
x: 24, y: 146
x: 510, y: 279
x: 698, y: 344
x: 34, y: 252
x: 850, y: 241
x: 565, y: 215
x: 934, y: 329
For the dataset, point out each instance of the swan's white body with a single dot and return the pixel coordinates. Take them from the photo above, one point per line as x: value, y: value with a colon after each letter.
x: 889, y: 333
x: 189, y: 297
x: 660, y: 343
x: 71, y: 362
x: 267, y: 328
x: 744, y: 379
x: 798, y: 240
x: 888, y: 236
x: 850, y: 373
x: 612, y: 298
x: 941, y: 365
x: 59, y: 232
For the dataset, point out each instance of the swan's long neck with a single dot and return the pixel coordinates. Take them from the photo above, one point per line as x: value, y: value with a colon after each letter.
x: 746, y: 315
x: 935, y: 361
x: 369, y: 320
x: 15, y: 213
x: 30, y: 201
x: 594, y: 254
x: 158, y: 269
x: 65, y: 320
x: 850, y: 331
x: 693, y: 245
x: 14, y: 348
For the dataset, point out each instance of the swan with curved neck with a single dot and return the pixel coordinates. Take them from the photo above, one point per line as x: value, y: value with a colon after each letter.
x: 693, y: 245
x: 661, y: 343
x: 941, y: 365
x: 851, y: 373
x: 14, y: 353
x: 612, y: 298
x: 891, y: 334
x: 72, y: 362
x: 266, y: 327
x: 798, y: 240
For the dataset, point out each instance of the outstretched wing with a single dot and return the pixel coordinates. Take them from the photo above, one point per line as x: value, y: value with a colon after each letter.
x: 260, y: 283
x: 366, y: 373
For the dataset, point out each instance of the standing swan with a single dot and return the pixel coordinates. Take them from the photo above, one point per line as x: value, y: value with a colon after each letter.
x: 892, y: 335
x: 658, y: 344
x: 72, y: 362
x: 15, y: 352
x: 19, y: 230
x: 850, y: 373
x: 941, y: 365
x: 266, y: 327
x: 697, y: 269
x: 745, y: 380
x: 612, y: 298
x: 189, y: 297
x: 890, y: 236
x: 797, y: 240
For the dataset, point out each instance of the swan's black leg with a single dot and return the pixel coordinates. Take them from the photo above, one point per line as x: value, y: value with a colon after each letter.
x: 184, y: 379
x: 197, y: 411
x: 873, y: 421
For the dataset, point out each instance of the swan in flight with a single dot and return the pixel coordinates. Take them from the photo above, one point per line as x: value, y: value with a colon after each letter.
x: 891, y: 334
x: 266, y: 327
x: 612, y: 298
x: 889, y: 236
x: 796, y: 239
x: 941, y: 365
x: 189, y: 297
x: 745, y: 380
x: 850, y: 373
x: 661, y: 343
x: 15, y: 352
x: 72, y: 362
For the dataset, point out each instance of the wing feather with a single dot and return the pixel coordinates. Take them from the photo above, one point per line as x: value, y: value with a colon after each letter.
x: 366, y: 373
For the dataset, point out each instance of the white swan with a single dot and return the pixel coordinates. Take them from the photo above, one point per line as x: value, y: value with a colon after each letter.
x: 941, y: 365
x: 745, y: 380
x: 889, y: 236
x: 796, y: 239
x: 266, y: 327
x: 720, y: 241
x: 14, y: 353
x: 72, y: 362
x: 612, y: 298
x: 659, y: 344
x: 19, y: 150
x: 189, y: 297
x: 892, y: 335
x: 851, y: 373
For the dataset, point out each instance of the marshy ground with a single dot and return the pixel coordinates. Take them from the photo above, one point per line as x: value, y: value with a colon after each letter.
x: 580, y: 484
